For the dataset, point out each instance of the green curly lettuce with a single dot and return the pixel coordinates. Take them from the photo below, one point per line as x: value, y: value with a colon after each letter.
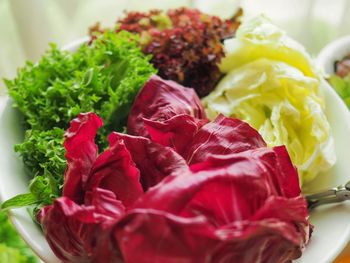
x: 103, y: 76
x: 46, y: 147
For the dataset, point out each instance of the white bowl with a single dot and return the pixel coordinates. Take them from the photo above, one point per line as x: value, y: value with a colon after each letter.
x: 332, y: 224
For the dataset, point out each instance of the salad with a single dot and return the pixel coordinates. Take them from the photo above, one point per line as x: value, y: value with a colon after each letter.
x: 188, y: 190
x: 174, y: 137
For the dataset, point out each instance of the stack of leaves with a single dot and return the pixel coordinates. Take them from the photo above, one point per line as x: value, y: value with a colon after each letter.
x: 103, y: 77
x: 272, y: 84
x: 186, y: 44
x: 12, y: 247
x: 187, y: 190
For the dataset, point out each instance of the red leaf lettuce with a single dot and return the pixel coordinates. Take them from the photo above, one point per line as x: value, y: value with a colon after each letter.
x: 185, y: 191
x: 160, y: 100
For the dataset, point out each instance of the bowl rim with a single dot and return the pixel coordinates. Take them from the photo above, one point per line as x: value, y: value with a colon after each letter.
x: 75, y: 44
x: 332, y: 52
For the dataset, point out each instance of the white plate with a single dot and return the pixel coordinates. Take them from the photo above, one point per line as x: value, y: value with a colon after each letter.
x: 332, y: 223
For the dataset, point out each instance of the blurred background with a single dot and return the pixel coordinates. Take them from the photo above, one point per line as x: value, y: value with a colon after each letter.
x: 26, y: 27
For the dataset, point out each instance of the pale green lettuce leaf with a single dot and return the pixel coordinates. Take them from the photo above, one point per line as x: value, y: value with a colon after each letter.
x: 283, y: 104
x: 260, y: 38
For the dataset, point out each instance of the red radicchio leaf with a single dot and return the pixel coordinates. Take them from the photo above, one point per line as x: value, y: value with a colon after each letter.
x: 172, y: 239
x: 223, y: 136
x: 97, y: 191
x: 249, y: 178
x: 264, y: 241
x: 114, y: 170
x: 81, y: 153
x: 153, y: 160
x: 276, y: 160
x: 149, y: 236
x: 240, y: 200
x: 176, y: 132
x: 198, y: 142
x: 288, y: 179
x: 160, y: 100
x: 81, y: 233
x: 237, y: 202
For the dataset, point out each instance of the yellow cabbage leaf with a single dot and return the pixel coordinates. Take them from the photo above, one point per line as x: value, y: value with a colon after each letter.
x: 283, y: 104
x: 260, y: 38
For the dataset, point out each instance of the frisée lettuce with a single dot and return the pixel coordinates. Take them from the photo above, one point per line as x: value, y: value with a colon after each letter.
x: 103, y: 76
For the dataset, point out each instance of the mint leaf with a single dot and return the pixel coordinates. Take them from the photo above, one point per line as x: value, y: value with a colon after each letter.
x: 41, y: 188
x: 19, y: 201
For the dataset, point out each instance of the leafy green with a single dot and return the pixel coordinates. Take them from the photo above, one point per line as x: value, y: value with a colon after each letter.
x: 43, y: 154
x: 11, y: 255
x: 41, y: 193
x: 342, y: 87
x: 19, y: 201
x: 259, y: 38
x: 103, y: 77
x: 272, y: 84
x: 12, y: 247
x: 282, y: 104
